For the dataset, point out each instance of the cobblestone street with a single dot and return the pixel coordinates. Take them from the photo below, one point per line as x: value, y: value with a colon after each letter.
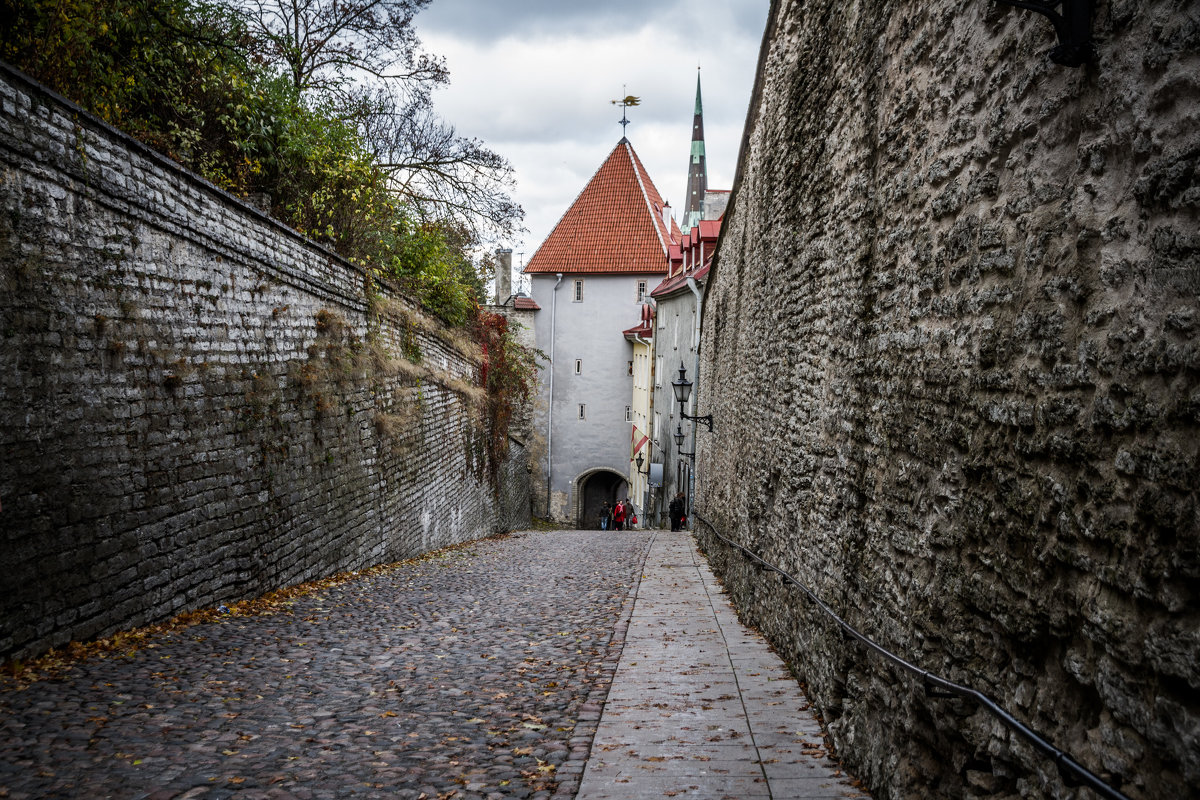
x: 479, y: 671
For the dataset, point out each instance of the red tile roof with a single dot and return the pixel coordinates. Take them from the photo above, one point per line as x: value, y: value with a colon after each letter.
x: 698, y: 243
x: 643, y: 329
x: 616, y: 224
x: 710, y: 229
x: 522, y: 303
x: 679, y: 282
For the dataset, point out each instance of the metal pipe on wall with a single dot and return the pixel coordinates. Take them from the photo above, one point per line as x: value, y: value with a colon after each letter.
x: 691, y: 498
x: 550, y: 411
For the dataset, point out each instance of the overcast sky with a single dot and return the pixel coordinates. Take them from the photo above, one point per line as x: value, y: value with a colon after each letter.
x: 533, y: 80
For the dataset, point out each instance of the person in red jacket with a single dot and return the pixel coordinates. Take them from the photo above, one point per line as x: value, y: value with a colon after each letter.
x: 619, y: 516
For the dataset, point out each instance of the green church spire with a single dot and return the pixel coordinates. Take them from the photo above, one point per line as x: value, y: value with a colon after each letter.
x: 697, y: 183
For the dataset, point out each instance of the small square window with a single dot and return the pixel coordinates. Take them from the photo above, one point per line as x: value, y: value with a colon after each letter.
x: 579, y: 366
x: 578, y: 297
x: 583, y: 410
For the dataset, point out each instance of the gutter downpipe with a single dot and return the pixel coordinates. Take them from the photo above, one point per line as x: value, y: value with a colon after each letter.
x: 550, y: 412
x: 691, y: 282
x: 637, y: 337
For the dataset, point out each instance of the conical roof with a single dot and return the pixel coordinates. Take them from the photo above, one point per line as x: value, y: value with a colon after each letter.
x: 615, y: 225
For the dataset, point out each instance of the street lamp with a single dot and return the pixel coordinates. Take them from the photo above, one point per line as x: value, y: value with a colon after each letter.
x: 679, y: 436
x: 683, y: 390
x: 639, y: 461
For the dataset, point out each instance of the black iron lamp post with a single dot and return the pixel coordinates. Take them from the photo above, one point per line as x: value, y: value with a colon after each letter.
x: 683, y: 390
x: 639, y: 461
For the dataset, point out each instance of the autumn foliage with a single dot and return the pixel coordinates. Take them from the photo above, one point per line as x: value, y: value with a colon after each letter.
x: 194, y: 81
x: 509, y: 374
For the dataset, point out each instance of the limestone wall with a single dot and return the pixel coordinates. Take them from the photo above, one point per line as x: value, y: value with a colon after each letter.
x: 198, y: 405
x: 950, y: 344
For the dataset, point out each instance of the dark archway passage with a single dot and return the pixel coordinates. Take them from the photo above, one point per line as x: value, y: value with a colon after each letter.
x: 595, y: 489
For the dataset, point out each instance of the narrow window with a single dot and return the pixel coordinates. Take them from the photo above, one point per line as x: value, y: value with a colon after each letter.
x: 583, y: 410
x: 630, y: 367
x: 579, y: 366
x: 629, y: 413
x: 641, y: 292
x: 578, y: 291
x: 658, y: 370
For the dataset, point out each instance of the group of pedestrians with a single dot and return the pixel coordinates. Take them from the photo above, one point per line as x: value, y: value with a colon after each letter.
x: 618, y: 517
x: 623, y: 515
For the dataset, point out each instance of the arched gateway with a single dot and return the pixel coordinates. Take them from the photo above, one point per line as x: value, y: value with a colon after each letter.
x: 593, y: 488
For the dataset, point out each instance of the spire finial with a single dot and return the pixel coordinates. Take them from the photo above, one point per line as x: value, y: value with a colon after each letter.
x: 625, y: 102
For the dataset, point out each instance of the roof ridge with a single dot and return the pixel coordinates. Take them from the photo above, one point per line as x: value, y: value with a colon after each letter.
x: 612, y: 226
x: 645, y: 196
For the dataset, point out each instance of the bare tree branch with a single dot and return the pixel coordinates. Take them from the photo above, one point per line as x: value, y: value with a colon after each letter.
x: 324, y: 43
x: 363, y: 58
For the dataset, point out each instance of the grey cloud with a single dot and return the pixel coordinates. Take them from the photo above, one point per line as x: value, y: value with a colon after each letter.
x: 483, y: 20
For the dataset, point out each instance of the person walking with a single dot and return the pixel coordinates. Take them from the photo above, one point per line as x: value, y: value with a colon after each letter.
x: 676, y: 510
x: 605, y: 516
x: 619, y: 516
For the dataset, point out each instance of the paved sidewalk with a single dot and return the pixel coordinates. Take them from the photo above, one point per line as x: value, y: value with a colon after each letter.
x: 699, y: 705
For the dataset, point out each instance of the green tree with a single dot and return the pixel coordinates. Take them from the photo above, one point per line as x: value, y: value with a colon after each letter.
x: 187, y: 78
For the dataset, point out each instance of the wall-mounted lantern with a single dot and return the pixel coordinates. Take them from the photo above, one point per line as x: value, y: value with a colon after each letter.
x: 679, y: 437
x: 1073, y: 24
x: 683, y: 390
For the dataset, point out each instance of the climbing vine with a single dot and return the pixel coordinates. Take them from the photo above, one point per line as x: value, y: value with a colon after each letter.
x: 509, y: 375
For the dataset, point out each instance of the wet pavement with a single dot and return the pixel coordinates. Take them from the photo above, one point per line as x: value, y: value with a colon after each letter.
x: 478, y: 672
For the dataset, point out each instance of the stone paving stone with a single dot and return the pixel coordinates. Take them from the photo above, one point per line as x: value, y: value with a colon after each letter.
x: 700, y: 706
x: 479, y: 672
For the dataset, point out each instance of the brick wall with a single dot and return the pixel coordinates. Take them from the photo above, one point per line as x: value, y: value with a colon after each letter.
x: 951, y: 347
x: 198, y: 405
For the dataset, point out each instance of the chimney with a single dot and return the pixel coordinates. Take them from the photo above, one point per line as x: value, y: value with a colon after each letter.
x: 503, y: 276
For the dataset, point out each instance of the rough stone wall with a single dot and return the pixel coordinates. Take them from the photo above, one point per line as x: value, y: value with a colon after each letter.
x: 950, y: 344
x: 198, y: 405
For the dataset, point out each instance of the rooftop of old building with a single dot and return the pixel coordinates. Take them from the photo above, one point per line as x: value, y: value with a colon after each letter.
x: 616, y: 225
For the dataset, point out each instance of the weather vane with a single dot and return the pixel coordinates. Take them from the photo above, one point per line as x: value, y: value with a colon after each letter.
x: 625, y: 102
